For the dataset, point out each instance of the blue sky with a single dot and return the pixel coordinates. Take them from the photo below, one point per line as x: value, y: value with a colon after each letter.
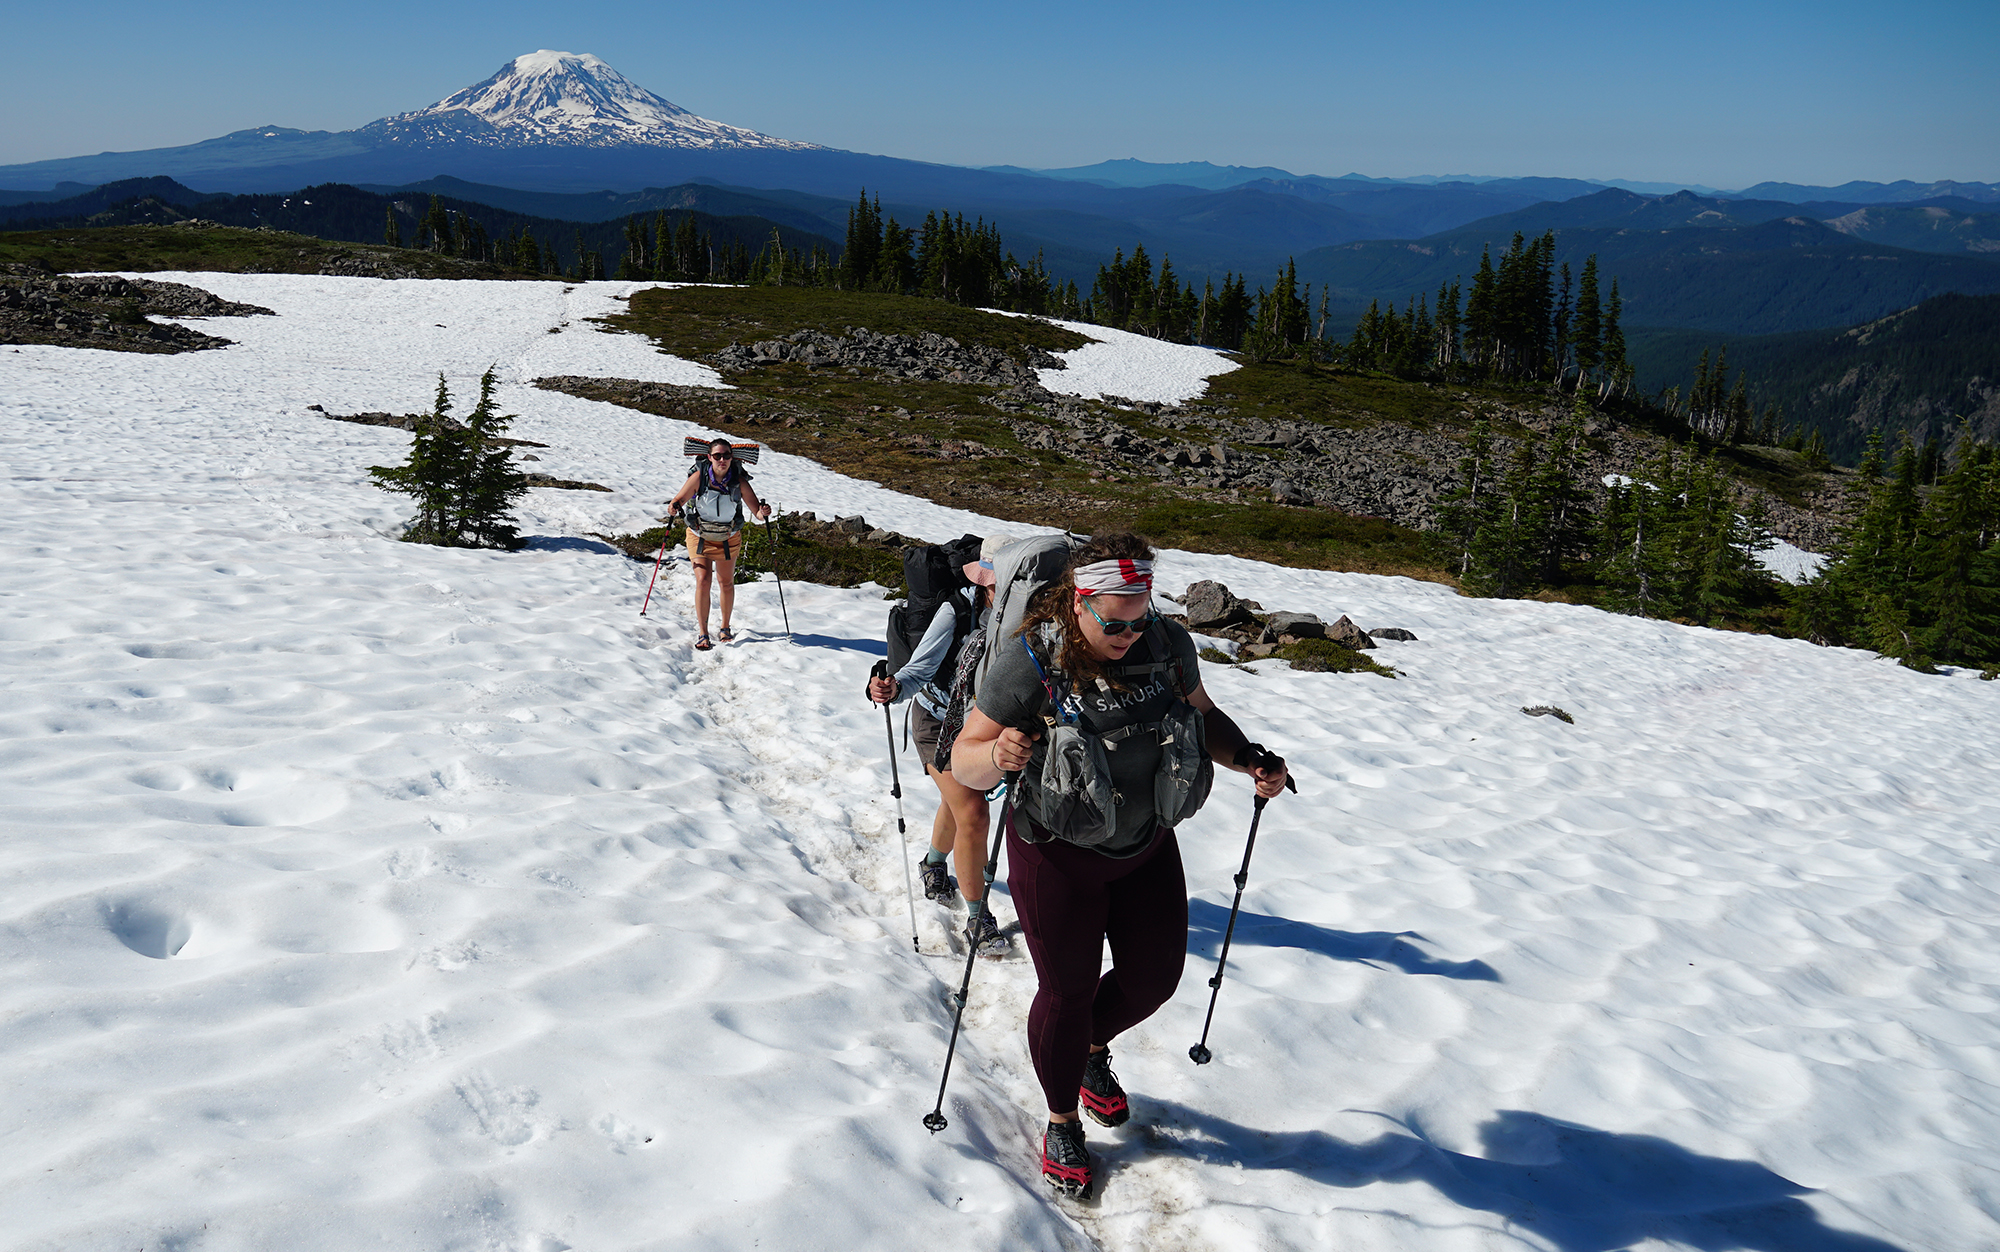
x: 1710, y: 93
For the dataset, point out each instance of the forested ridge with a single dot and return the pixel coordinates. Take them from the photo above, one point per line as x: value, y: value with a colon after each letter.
x: 722, y: 247
x: 1918, y: 372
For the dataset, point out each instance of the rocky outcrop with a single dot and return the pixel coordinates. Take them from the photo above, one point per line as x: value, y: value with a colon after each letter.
x: 923, y: 358
x: 408, y: 421
x: 1209, y: 608
x: 104, y: 311
x: 1394, y: 471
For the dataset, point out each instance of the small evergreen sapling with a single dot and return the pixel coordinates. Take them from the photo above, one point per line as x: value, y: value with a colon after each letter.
x: 461, y: 476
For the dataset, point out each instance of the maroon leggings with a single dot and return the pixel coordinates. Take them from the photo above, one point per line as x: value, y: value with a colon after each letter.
x: 1070, y: 901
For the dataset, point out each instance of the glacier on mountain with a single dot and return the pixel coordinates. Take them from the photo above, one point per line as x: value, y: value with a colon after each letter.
x: 567, y: 98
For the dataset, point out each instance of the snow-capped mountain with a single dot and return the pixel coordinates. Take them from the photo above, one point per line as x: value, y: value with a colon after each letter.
x: 569, y: 99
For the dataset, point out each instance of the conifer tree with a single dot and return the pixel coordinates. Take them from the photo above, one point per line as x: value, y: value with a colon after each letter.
x: 1470, y: 505
x: 1617, y: 370
x: 460, y: 475
x: 1587, y: 327
x: 1450, y: 327
x: 861, y: 255
x: 666, y: 265
x: 1958, y: 568
x: 492, y: 483
x: 1563, y: 501
x: 895, y: 266
x: 438, y: 463
x: 391, y: 233
x: 1504, y: 550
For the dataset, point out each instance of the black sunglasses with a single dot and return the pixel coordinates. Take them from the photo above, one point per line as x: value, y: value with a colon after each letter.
x: 722, y: 456
x: 1118, y: 625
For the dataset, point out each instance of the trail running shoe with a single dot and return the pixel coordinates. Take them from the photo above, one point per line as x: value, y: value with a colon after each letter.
x: 938, y: 882
x: 983, y: 933
x: 703, y: 644
x: 726, y: 635
x: 1065, y: 1161
x: 1100, y: 1094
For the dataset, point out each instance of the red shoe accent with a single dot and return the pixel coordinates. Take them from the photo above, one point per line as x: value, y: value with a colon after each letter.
x: 1068, y: 1169
x: 1109, y: 1111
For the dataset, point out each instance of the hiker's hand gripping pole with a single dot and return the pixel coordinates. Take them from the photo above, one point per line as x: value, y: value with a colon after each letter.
x: 935, y: 1120
x: 881, y: 670
x: 1260, y: 758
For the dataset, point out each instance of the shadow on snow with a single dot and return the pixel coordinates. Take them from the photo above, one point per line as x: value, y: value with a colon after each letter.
x: 1578, y: 1189
x: 873, y: 647
x: 1370, y: 947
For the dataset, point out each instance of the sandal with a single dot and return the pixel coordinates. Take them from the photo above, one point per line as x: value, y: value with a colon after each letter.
x: 702, y: 644
x: 726, y: 635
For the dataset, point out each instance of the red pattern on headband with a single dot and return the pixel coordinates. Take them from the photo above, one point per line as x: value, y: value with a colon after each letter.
x: 1119, y: 576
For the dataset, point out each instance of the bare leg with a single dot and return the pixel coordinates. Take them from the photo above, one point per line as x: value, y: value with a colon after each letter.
x: 701, y: 581
x: 969, y: 818
x: 942, y: 825
x: 725, y: 573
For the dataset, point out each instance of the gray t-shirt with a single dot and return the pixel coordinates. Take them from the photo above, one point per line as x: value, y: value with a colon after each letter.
x: 1012, y: 695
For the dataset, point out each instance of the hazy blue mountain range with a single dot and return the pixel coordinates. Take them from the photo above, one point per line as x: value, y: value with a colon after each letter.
x: 1720, y: 266
x: 339, y: 211
x: 568, y: 124
x: 1920, y: 370
x: 1872, y: 193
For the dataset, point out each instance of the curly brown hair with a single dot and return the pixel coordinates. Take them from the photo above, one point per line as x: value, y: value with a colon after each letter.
x: 1052, y: 604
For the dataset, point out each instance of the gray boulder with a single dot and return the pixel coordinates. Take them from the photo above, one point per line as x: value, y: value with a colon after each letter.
x: 1295, y: 625
x: 1348, y: 635
x: 1210, y: 607
x: 1393, y: 632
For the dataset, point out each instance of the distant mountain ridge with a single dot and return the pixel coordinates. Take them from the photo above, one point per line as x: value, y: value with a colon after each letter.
x: 566, y: 99
x: 1726, y: 267
x: 357, y: 215
x: 1920, y: 370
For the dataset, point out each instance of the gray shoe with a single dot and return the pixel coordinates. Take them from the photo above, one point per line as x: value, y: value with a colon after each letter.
x: 983, y: 933
x: 939, y: 885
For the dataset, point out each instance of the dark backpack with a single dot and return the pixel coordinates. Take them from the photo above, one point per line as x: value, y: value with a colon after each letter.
x: 935, y: 577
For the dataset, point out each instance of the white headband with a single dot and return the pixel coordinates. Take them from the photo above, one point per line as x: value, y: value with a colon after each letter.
x: 1119, y: 576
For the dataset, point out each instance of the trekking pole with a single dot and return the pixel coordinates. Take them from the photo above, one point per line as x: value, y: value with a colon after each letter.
x: 656, y: 570
x: 881, y: 670
x: 772, y: 539
x: 1199, y: 1053
x: 935, y: 1120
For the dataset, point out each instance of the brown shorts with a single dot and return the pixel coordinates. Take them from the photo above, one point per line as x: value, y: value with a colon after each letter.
x: 701, y: 551
x: 924, y: 732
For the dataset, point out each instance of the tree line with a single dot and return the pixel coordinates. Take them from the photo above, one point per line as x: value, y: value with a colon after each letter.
x: 1917, y: 574
x: 670, y: 247
x: 1672, y: 542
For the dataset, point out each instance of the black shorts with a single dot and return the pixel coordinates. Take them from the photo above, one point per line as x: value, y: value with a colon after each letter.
x: 924, y: 731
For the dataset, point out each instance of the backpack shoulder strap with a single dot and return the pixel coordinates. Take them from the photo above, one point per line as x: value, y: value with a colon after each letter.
x: 1049, y: 676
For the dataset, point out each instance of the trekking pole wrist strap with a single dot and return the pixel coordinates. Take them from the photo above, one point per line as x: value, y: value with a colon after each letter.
x: 1252, y: 756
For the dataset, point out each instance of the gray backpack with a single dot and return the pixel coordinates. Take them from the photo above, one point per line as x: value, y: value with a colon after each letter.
x: 1077, y: 802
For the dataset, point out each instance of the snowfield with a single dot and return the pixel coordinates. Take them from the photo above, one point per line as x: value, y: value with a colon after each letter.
x: 1125, y: 366
x: 358, y: 894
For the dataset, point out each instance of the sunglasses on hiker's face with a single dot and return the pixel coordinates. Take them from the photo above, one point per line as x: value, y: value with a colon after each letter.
x: 1119, y: 625
x: 722, y: 456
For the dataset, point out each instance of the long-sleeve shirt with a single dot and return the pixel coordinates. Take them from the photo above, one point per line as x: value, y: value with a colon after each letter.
x: 919, y: 676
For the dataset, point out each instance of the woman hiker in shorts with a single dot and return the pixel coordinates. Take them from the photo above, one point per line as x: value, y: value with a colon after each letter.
x: 718, y: 488
x: 1094, y: 644
x: 959, y: 829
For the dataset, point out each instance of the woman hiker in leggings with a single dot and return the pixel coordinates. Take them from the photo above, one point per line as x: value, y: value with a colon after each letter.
x: 1091, y: 651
